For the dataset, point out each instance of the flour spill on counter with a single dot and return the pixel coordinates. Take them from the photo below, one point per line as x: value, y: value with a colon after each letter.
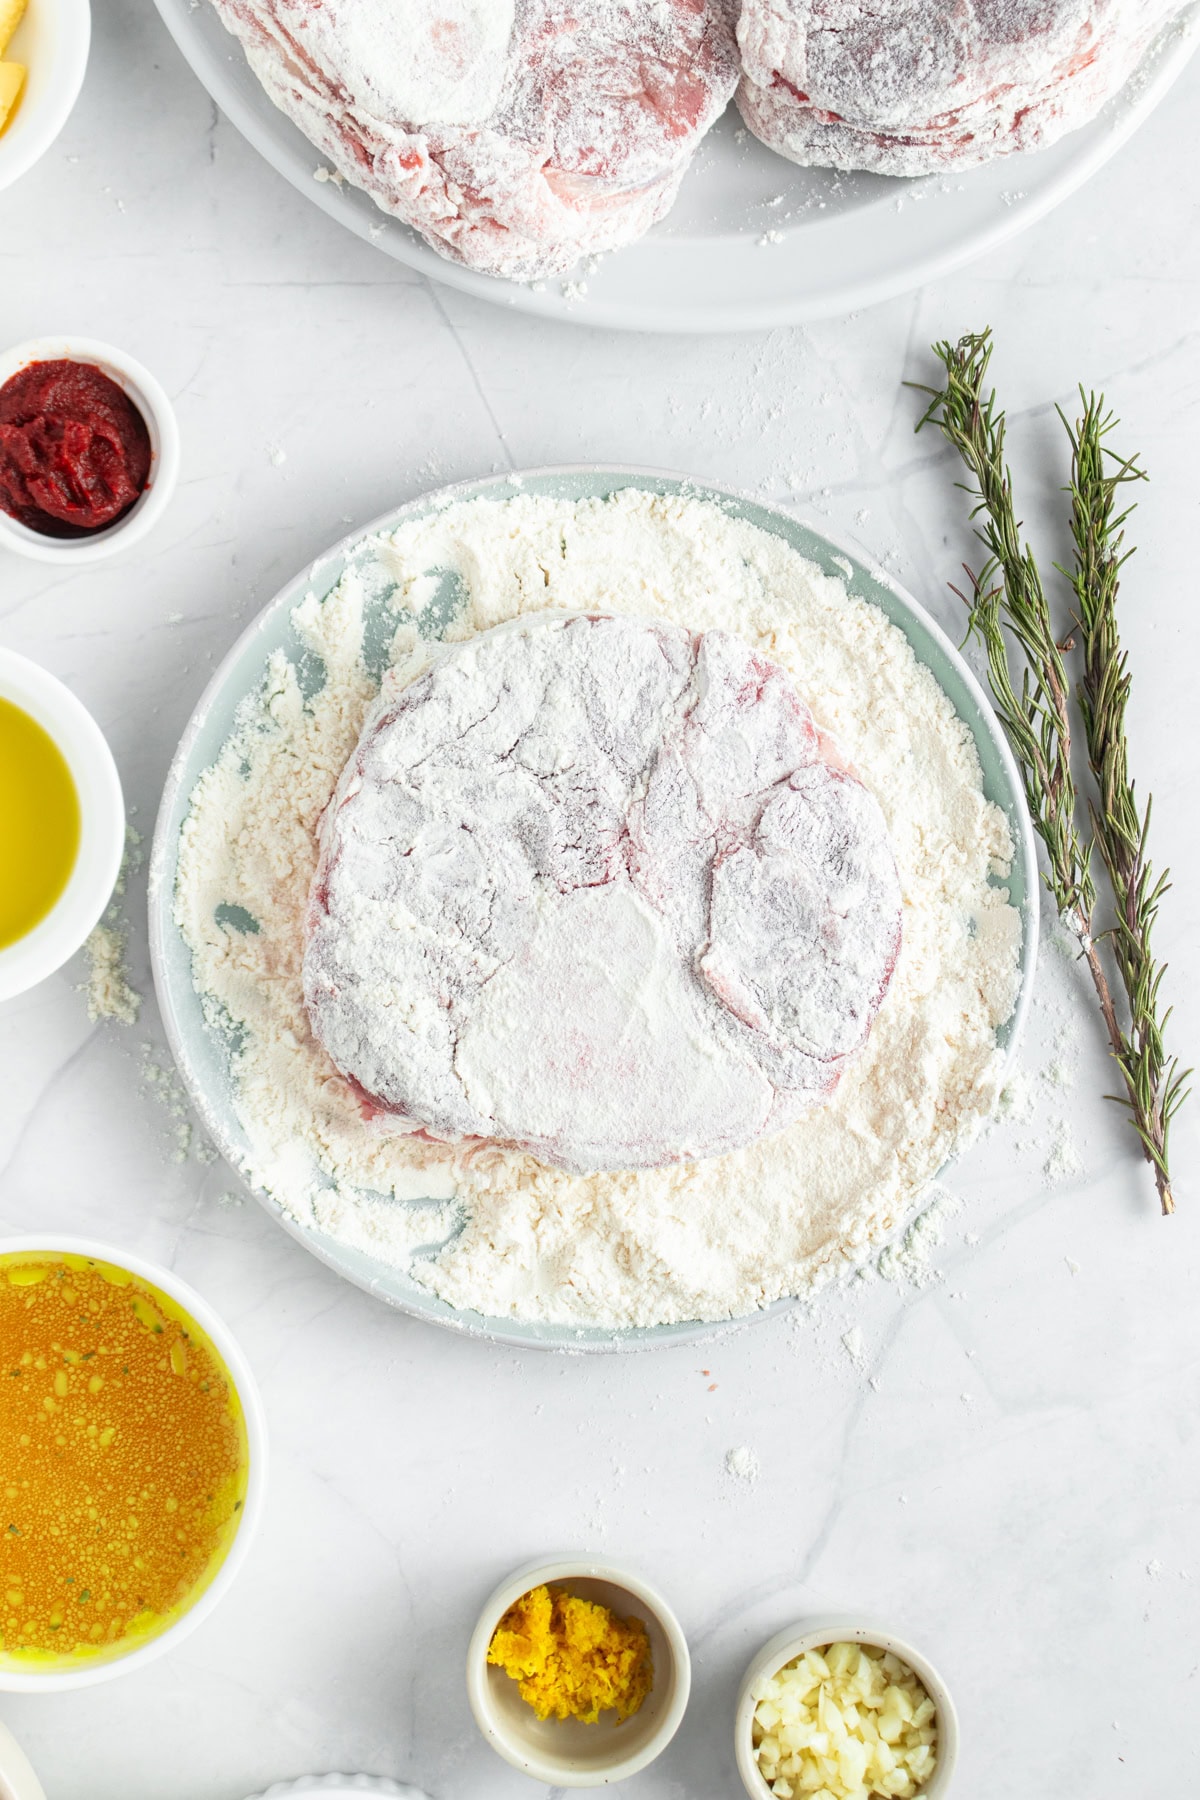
x: 110, y: 991
x: 482, y: 1226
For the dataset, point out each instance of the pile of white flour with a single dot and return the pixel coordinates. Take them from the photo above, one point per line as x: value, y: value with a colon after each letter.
x: 518, y: 1239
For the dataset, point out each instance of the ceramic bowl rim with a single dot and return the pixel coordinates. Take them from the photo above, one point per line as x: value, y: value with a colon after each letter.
x: 18, y: 1778
x: 569, y: 1567
x: 235, y: 1360
x: 150, y: 398
x: 791, y: 1641
x: 67, y: 721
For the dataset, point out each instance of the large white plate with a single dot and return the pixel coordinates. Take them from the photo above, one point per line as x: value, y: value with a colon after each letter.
x: 845, y: 240
x: 203, y: 1052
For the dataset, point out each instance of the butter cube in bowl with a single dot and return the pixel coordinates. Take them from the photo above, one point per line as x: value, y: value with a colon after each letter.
x: 43, y: 56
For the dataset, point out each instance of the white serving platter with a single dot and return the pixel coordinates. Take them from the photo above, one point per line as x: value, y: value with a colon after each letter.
x: 203, y: 1052
x: 752, y: 242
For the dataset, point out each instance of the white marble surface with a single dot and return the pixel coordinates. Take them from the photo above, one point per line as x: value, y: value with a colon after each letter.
x: 1011, y: 1477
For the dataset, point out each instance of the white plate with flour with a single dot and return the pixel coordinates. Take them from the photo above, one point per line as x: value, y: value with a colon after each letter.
x: 203, y: 1050
x: 752, y: 241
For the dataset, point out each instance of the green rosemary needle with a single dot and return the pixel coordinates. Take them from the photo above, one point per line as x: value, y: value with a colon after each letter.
x: 1007, y: 595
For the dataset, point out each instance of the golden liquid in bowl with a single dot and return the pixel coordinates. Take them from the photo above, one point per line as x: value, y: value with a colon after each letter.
x: 123, y: 1460
x: 39, y: 823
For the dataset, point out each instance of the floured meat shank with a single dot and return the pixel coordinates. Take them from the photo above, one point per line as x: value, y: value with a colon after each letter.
x: 598, y: 888
x: 910, y: 87
x: 515, y: 135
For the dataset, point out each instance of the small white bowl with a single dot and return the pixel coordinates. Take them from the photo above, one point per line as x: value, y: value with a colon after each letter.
x: 88, y: 1674
x: 151, y: 400
x: 566, y: 1752
x: 52, y: 42
x: 785, y: 1646
x: 17, y: 1779
x: 102, y: 824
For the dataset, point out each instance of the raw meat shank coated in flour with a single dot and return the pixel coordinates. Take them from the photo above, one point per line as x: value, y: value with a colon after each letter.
x: 515, y: 135
x: 599, y: 888
x: 909, y: 87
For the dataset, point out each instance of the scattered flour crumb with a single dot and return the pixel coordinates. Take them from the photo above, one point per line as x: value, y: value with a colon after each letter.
x: 1063, y: 1162
x: 743, y: 1463
x: 852, y: 1342
x: 164, y: 1084
x: 108, y: 989
x: 110, y: 994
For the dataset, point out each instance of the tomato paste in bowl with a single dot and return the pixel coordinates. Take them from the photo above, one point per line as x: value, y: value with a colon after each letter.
x: 89, y: 450
x: 74, y: 449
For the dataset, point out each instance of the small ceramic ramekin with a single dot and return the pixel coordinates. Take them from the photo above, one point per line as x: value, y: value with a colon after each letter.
x: 785, y: 1646
x: 566, y: 1752
x: 102, y: 824
x: 151, y: 400
x: 86, y: 1673
x: 52, y: 42
x: 17, y: 1779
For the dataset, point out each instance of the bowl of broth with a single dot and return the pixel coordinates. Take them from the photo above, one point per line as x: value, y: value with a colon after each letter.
x: 134, y: 1462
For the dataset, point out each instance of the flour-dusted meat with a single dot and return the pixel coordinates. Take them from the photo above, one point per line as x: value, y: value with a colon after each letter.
x: 515, y: 135
x: 599, y: 888
x: 909, y: 87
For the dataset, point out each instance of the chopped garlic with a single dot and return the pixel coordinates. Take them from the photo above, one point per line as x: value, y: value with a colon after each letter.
x: 845, y: 1722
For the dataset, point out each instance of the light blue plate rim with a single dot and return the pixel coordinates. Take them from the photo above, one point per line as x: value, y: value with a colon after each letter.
x: 197, y: 1049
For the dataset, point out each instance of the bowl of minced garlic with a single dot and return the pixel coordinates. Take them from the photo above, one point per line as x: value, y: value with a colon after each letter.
x: 839, y: 1711
x: 133, y: 1462
x: 578, y: 1672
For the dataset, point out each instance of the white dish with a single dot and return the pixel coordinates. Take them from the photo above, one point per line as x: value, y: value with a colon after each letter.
x: 203, y: 1053
x: 845, y: 241
x: 52, y: 42
x: 17, y: 1779
x: 566, y: 1752
x: 151, y: 401
x: 340, y: 1787
x: 102, y: 824
x: 786, y: 1645
x: 88, y: 1674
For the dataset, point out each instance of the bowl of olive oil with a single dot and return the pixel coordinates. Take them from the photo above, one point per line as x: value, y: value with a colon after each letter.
x: 62, y: 824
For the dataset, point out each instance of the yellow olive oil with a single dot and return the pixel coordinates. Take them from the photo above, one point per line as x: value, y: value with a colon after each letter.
x: 39, y: 823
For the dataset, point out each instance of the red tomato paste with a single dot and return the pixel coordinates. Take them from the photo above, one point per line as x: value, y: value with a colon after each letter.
x: 74, y: 450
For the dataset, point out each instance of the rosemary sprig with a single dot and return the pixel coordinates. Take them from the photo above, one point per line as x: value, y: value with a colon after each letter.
x: 1038, y: 722
x: 1008, y: 594
x: 1156, y: 1083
